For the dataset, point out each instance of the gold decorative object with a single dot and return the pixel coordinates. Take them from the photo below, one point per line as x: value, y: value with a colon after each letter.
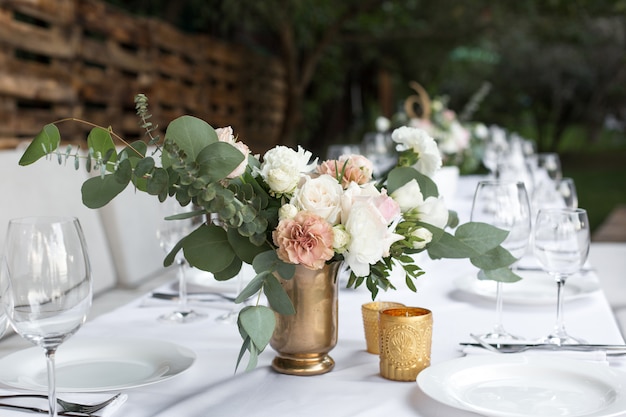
x: 370, y: 322
x: 303, y: 340
x: 405, y: 341
x: 421, y: 99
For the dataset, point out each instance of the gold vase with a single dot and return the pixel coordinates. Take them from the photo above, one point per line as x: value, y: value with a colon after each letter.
x: 303, y: 340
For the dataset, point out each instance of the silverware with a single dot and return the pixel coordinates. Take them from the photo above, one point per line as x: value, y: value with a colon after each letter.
x: 68, y: 408
x: 192, y: 296
x: 613, y: 350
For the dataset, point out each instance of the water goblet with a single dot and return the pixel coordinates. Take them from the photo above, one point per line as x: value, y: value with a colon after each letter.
x: 566, y: 190
x: 551, y: 164
x: 503, y: 204
x: 169, y: 233
x: 46, y: 284
x: 561, y: 244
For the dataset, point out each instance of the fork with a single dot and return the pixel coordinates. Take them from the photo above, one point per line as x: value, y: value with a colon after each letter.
x: 68, y: 407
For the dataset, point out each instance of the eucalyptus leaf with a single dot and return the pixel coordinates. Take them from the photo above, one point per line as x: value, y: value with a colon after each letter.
x: 253, y: 287
x: 230, y: 271
x: 144, y: 166
x: 207, y: 248
x: 218, y: 160
x: 450, y: 247
x: 245, y: 250
x: 46, y: 141
x: 495, y: 258
x: 480, y: 236
x: 99, y: 191
x: 124, y: 172
x: 100, y: 141
x: 190, y: 134
x: 277, y: 297
x: 158, y: 182
x: 400, y: 176
x: 258, y: 322
x: 501, y: 274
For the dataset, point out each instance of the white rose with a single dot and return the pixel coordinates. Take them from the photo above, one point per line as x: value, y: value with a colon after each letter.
x: 282, y: 168
x: 341, y: 238
x: 433, y: 211
x: 420, y: 142
x: 353, y: 193
x: 287, y: 211
x: 225, y: 134
x: 372, y: 237
x: 424, y: 235
x: 408, y: 196
x: 321, y: 196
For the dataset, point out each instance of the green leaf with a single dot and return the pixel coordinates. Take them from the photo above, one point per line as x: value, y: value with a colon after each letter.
x: 450, y: 247
x: 277, y: 297
x: 207, y: 248
x: 245, y: 345
x: 124, y: 172
x: 245, y: 250
x: 144, y: 166
x: 100, y: 140
x: 46, y: 141
x: 400, y: 176
x: 218, y: 160
x: 258, y: 322
x: 500, y: 274
x: 190, y: 134
x: 158, y: 182
x: 99, y: 191
x: 230, y: 271
x: 252, y: 288
x: 494, y: 259
x: 481, y: 236
x: 269, y: 261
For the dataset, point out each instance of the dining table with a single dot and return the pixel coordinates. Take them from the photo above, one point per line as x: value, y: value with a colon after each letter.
x: 211, y: 385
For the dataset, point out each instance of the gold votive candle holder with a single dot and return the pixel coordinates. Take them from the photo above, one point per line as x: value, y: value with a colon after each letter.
x: 370, y: 322
x: 405, y: 342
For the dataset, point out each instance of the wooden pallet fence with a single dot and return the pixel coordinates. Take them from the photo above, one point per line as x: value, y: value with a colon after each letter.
x: 87, y: 59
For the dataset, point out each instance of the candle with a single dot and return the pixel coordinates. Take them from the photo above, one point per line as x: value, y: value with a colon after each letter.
x: 369, y: 312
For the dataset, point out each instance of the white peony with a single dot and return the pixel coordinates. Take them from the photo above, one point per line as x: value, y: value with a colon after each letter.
x: 372, y: 238
x: 353, y: 193
x: 433, y: 211
x: 320, y: 196
x: 282, y: 168
x: 420, y: 142
x: 408, y: 196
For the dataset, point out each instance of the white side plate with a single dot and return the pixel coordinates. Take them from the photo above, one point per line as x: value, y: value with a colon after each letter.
x: 89, y: 365
x: 516, y: 385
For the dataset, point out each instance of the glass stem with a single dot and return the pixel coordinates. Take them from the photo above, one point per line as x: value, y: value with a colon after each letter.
x: 52, y: 392
x: 560, y: 326
x: 182, y: 287
x: 499, y: 328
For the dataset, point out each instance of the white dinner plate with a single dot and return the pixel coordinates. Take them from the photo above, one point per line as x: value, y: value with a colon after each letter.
x: 516, y: 385
x: 90, y: 365
x: 535, y: 287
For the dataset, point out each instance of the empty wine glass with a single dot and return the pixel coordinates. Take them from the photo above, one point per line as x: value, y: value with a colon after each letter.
x: 551, y: 164
x: 379, y: 148
x: 45, y: 284
x: 503, y: 204
x: 169, y: 233
x: 566, y: 189
x: 561, y: 244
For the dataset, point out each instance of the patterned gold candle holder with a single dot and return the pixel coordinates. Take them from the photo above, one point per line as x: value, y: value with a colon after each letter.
x: 405, y: 341
x: 370, y: 322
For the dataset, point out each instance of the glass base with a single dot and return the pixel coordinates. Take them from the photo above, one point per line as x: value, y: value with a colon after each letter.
x: 499, y: 335
x: 187, y: 316
x: 561, y: 339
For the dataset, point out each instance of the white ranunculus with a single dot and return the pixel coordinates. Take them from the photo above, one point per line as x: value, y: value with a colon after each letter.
x: 408, y: 196
x: 433, y: 211
x: 372, y: 238
x: 420, y: 142
x: 282, y: 168
x: 321, y: 196
x: 425, y: 235
x: 287, y: 211
x: 341, y: 238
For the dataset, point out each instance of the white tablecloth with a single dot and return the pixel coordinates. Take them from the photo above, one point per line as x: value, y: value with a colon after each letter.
x: 354, y: 388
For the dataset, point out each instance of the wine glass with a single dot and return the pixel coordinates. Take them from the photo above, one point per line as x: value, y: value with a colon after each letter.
x: 169, y: 233
x: 566, y: 189
x: 551, y: 164
x: 503, y: 204
x: 45, y: 284
x: 561, y: 244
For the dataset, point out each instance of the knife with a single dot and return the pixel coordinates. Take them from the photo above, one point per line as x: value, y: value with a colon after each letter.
x: 192, y: 296
x: 519, y: 347
x: 41, y: 410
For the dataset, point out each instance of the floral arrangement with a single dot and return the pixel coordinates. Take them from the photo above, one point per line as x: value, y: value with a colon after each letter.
x: 284, y: 209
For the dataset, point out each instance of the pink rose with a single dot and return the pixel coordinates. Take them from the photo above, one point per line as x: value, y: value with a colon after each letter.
x: 355, y: 168
x: 306, y: 239
x: 387, y: 206
x: 225, y: 134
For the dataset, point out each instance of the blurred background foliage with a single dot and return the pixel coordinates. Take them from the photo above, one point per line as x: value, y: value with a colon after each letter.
x: 557, y: 68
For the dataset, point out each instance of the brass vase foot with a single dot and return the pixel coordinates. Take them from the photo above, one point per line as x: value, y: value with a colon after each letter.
x: 303, y: 364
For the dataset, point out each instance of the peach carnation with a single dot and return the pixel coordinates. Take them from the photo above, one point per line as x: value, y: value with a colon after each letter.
x: 305, y: 239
